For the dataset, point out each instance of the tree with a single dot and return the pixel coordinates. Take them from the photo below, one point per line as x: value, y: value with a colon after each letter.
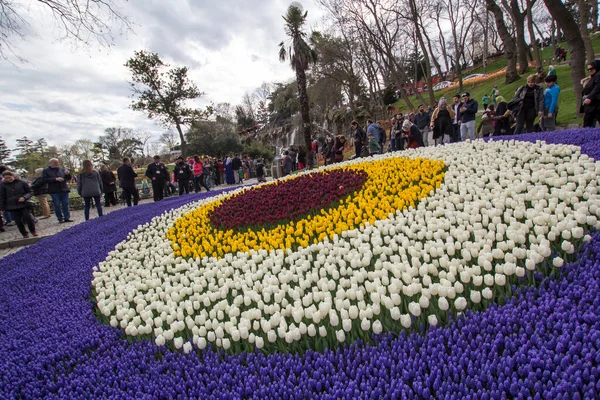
x: 510, y: 48
x: 4, y: 151
x: 163, y: 94
x: 81, y: 21
x: 301, y: 55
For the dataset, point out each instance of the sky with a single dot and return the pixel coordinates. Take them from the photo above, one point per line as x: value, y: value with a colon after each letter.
x: 64, y: 92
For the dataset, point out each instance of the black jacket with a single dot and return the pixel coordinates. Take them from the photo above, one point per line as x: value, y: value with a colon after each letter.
x: 182, y: 172
x: 109, y: 181
x: 50, y: 174
x: 10, y: 194
x: 470, y: 112
x: 126, y: 176
x: 159, y: 172
x: 236, y: 163
x: 39, y: 186
x: 591, y: 91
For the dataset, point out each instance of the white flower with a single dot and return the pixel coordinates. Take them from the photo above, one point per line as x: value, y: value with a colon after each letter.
x: 432, y: 320
x: 487, y: 293
x: 558, y: 262
x: 443, y: 304
x: 405, y: 320
x: 460, y: 303
x: 377, y: 327
x: 340, y: 336
x: 414, y: 308
x: 475, y: 296
x: 500, y: 279
x: 365, y: 324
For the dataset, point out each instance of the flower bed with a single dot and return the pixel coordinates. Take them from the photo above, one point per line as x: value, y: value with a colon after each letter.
x: 543, y: 341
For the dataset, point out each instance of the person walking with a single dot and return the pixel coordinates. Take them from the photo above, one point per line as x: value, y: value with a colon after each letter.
x: 382, y: 137
x: 400, y: 139
x: 127, y: 177
x: 57, y: 178
x: 158, y: 174
x: 422, y: 120
x: 90, y: 187
x: 109, y: 186
x: 229, y: 174
x: 14, y: 194
x: 40, y: 191
x: 441, y: 122
x: 591, y: 96
x: 485, y: 100
x: 528, y: 104
x: 287, y: 163
x: 182, y: 174
x: 359, y: 138
x: 467, y: 110
x: 550, y: 103
x: 236, y: 164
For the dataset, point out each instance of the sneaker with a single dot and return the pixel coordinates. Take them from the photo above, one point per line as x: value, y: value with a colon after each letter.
x: 11, y: 223
x: 68, y: 220
x: 61, y: 221
x: 26, y: 236
x: 35, y: 234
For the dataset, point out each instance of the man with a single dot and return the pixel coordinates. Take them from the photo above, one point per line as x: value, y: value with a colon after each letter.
x: 382, y: 137
x: 359, y: 138
x: 466, y: 116
x: 422, y: 121
x: 373, y: 128
x: 127, y: 182
x: 236, y: 164
x: 393, y: 134
x: 182, y: 175
x: 485, y: 101
x: 57, y: 179
x: 400, y: 140
x: 158, y: 174
x: 550, y: 103
x: 455, y: 127
x: 287, y: 163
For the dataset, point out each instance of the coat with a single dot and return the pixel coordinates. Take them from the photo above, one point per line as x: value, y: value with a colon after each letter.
x: 109, y: 181
x: 182, y: 172
x: 39, y: 186
x: 126, y: 176
x: 516, y: 104
x: 10, y: 194
x: 591, y: 90
x: 159, y: 172
x: 439, y: 128
x: 89, y: 185
x: 49, y: 176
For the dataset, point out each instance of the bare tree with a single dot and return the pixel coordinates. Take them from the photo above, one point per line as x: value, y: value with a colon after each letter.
x: 537, y: 53
x: 584, y: 18
x: 510, y: 48
x: 518, y: 18
x: 82, y: 21
x: 460, y: 15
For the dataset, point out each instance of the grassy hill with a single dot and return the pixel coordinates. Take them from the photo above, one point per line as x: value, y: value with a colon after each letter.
x: 566, y: 101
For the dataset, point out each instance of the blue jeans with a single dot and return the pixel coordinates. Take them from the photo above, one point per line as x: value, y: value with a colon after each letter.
x: 61, y: 199
x: 8, y: 217
x: 87, y: 203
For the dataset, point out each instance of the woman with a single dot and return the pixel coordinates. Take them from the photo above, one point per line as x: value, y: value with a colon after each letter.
x: 441, y: 121
x: 13, y: 196
x: 109, y: 185
x: 502, y: 117
x: 328, y: 150
x: 591, y: 96
x: 198, y: 172
x: 40, y: 191
x: 528, y: 104
x: 301, y: 157
x: 486, y: 126
x: 90, y: 186
x: 229, y: 177
x: 413, y: 135
x: 338, y: 148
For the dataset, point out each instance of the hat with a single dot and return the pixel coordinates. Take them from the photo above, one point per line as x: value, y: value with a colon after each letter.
x: 466, y: 94
x: 406, y: 125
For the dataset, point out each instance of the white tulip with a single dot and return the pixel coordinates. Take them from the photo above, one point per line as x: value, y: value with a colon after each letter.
x: 432, y: 320
x: 487, y: 293
x: 460, y: 303
x: 405, y: 320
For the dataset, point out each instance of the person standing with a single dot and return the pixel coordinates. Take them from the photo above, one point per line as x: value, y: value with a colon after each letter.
x: 236, y: 164
x: 109, y: 186
x: 441, y: 122
x: 158, y: 174
x: 550, y: 103
x: 13, y: 196
x: 502, y: 118
x: 374, y: 147
x: 57, y: 179
x: 301, y: 157
x: 591, y: 96
x: 552, y: 71
x: 229, y: 174
x: 485, y: 101
x: 40, y: 191
x: 400, y: 139
x: 530, y: 100
x: 359, y: 138
x: 393, y: 134
x: 494, y: 93
x: 373, y: 128
x: 182, y: 174
x: 127, y: 177
x: 382, y: 137
x: 287, y: 163
x: 90, y: 186
x: 422, y: 121
x: 467, y: 110
x: 455, y: 136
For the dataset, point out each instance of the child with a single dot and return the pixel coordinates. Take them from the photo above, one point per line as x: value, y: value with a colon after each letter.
x: 374, y: 147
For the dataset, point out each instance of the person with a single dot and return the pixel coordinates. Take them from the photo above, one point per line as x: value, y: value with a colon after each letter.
x: 236, y: 164
x: 293, y: 154
x: 373, y: 128
x: 260, y: 170
x: 328, y: 150
x: 127, y: 177
x: 158, y: 175
x: 56, y: 178
x: 301, y: 157
x: 40, y: 191
x: 359, y: 138
x: 229, y: 175
x: 485, y: 100
x: 591, y: 96
x: 422, y: 120
x: 552, y: 72
x: 90, y: 186
x: 400, y: 140
x: 14, y: 194
x: 338, y: 147
x: 441, y: 122
x: 486, y: 126
x: 221, y: 169
x: 109, y: 186
x: 455, y: 137
x: 182, y: 174
x: 494, y: 93
x: 528, y: 103
x: 374, y: 145
x: 550, y: 103
x: 502, y: 118
x: 287, y: 163
x: 467, y: 110
x: 393, y: 134
x: 382, y: 136
x: 413, y: 135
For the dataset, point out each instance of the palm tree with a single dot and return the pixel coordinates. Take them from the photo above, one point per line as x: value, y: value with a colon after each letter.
x: 301, y: 55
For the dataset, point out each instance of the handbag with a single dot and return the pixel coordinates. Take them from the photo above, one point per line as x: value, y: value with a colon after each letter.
x: 30, y: 203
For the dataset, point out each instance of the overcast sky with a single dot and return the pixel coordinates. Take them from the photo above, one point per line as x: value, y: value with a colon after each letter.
x: 65, y: 92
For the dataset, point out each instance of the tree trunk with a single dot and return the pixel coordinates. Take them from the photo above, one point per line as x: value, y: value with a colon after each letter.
x: 305, y: 113
x: 536, y: 49
x: 183, y: 145
x: 571, y: 31
x: 584, y: 17
x: 594, y: 15
x: 418, y: 33
x: 509, y: 44
x: 519, y: 20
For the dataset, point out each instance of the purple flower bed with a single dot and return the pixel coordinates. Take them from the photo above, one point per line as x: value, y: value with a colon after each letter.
x: 545, y: 343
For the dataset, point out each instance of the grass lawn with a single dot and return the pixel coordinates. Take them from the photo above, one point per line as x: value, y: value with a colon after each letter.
x: 566, y: 101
